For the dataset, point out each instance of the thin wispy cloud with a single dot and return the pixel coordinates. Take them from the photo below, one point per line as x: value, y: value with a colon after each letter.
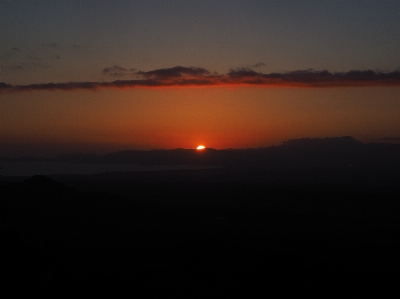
x: 25, y: 66
x: 257, y: 65
x: 197, y: 76
x: 50, y: 45
x: 117, y: 71
x: 33, y: 57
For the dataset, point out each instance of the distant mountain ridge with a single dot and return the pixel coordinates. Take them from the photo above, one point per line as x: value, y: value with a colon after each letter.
x: 305, y: 152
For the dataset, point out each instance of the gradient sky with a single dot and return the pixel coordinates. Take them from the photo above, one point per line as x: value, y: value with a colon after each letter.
x: 168, y: 74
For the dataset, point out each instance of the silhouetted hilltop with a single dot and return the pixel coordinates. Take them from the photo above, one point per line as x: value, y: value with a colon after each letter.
x: 323, y: 142
x: 340, y: 152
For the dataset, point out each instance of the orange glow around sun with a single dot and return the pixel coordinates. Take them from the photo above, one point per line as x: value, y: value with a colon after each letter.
x: 200, y: 147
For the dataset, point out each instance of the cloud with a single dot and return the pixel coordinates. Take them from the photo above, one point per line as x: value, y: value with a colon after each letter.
x: 34, y: 57
x: 4, y: 85
x: 10, y: 53
x: 258, y: 64
x: 175, y: 72
x: 50, y: 45
x: 117, y: 71
x: 23, y: 66
x: 195, y: 76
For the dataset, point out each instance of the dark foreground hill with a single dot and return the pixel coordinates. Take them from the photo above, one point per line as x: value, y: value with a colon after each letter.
x: 200, y: 238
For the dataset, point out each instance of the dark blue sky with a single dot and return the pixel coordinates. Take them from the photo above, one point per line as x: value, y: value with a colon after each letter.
x: 75, y: 40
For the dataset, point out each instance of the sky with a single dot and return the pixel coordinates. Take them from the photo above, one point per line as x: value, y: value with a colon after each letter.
x: 102, y: 76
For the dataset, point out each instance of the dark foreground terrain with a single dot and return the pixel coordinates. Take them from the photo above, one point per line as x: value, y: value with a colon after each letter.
x: 198, y: 234
x: 313, y: 216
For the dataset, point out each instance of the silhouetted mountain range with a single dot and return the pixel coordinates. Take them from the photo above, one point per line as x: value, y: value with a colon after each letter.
x: 305, y: 152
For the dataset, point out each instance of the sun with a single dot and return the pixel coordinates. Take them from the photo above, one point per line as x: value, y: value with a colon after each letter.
x: 200, y: 147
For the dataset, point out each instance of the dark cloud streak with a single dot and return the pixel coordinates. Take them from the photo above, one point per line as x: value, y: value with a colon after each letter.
x: 117, y: 71
x: 195, y: 76
x: 177, y: 71
x: 258, y: 64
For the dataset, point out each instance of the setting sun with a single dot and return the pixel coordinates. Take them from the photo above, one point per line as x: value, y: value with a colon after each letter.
x: 200, y: 147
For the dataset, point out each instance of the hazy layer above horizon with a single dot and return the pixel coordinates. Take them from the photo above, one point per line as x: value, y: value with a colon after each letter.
x: 51, y: 123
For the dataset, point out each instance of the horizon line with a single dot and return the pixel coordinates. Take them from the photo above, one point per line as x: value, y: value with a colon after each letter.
x: 286, y: 142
